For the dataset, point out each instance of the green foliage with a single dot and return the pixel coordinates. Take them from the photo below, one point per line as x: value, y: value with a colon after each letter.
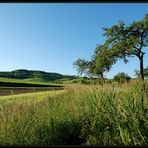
x: 87, y: 81
x: 82, y: 66
x: 121, y: 78
x: 101, y: 60
x: 122, y: 42
x: 128, y: 41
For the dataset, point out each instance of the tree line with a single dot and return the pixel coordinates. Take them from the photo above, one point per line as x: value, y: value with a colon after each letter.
x: 122, y: 42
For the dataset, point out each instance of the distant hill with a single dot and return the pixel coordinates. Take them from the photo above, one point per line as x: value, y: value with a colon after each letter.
x: 35, y: 74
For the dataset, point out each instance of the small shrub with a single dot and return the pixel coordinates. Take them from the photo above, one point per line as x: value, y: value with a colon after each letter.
x: 121, y: 78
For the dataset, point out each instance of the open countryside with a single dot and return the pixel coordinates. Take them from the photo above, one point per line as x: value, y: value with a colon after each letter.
x: 90, y: 99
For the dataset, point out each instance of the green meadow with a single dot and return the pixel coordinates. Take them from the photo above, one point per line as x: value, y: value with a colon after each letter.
x: 26, y: 81
x: 80, y: 114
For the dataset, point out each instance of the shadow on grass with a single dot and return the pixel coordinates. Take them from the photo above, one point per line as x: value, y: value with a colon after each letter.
x: 60, y: 133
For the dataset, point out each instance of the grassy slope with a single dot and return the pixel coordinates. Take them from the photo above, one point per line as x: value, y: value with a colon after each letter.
x: 80, y: 115
x: 2, y: 79
x: 70, y: 81
x: 38, y: 80
x: 8, y: 101
x: 42, y: 81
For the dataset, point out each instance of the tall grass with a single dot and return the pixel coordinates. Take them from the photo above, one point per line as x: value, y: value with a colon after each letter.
x: 83, y: 114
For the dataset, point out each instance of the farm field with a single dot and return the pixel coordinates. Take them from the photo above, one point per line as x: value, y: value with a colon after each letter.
x: 13, y: 82
x: 21, y: 90
x: 9, y: 86
x: 79, y: 114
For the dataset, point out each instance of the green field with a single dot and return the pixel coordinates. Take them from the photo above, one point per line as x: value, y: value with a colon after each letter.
x: 10, y: 86
x: 40, y: 81
x: 27, y: 81
x: 80, y: 114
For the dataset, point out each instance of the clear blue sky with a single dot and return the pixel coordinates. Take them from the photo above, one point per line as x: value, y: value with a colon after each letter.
x: 50, y: 37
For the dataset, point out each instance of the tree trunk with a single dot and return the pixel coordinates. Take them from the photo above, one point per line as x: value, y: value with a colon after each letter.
x: 141, y: 67
x: 102, y: 78
x: 101, y: 75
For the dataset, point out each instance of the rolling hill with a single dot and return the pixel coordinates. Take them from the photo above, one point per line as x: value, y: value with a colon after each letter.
x: 34, y: 74
x: 33, y: 78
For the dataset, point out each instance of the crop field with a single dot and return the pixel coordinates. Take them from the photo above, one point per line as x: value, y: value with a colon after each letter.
x: 10, y: 86
x: 79, y: 114
x: 20, y: 90
x: 10, y: 82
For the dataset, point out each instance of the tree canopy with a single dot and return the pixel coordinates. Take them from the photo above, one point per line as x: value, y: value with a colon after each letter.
x: 82, y: 66
x: 122, y: 42
x: 100, y: 62
x: 128, y: 41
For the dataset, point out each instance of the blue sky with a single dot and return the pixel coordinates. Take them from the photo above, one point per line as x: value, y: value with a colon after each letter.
x: 50, y: 37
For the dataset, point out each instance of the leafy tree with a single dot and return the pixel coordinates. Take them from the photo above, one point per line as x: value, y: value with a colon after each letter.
x: 128, y: 41
x: 121, y: 78
x: 101, y: 60
x: 82, y: 66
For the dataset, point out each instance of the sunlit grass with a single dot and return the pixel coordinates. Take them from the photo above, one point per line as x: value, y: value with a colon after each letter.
x: 80, y: 114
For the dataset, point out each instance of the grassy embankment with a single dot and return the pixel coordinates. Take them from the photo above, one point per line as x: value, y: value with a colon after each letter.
x: 80, y: 114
